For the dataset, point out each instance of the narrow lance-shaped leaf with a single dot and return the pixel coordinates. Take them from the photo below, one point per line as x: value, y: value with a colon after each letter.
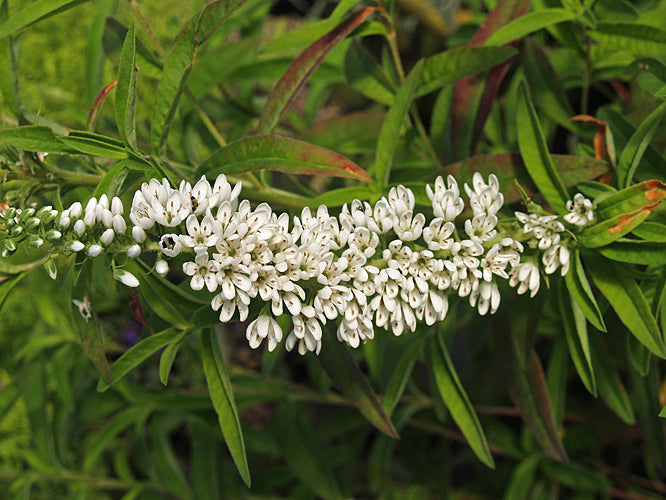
x: 390, y: 132
x: 345, y: 373
x: 628, y: 301
x: 456, y: 400
x: 580, y: 291
x: 35, y: 12
x: 400, y: 376
x: 125, y: 104
x: 301, y: 69
x: 535, y: 154
x: 283, y: 154
x: 222, y: 396
x: 633, y: 151
x: 633, y: 198
x: 137, y: 354
x: 613, y: 229
x: 640, y: 39
x: 179, y: 64
x: 575, y: 329
x: 529, y: 23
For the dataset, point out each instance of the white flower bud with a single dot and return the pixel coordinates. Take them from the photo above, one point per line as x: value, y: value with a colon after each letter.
x: 76, y: 246
x: 80, y: 227
x: 126, y: 278
x: 162, y: 267
x: 90, y: 218
x: 94, y: 250
x: 92, y: 204
x: 64, y: 221
x: 119, y: 224
x: 76, y: 210
x: 107, y: 217
x: 138, y: 234
x: 134, y: 251
x: 104, y: 201
x: 107, y: 237
x: 116, y: 206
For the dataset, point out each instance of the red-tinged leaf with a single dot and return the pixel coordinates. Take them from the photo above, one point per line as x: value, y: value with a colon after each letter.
x: 301, y: 69
x: 529, y: 393
x: 283, y: 154
x: 633, y: 198
x: 96, y: 108
x: 473, y: 96
x: 345, y: 373
x: 613, y: 229
x: 600, y: 150
x: 510, y: 169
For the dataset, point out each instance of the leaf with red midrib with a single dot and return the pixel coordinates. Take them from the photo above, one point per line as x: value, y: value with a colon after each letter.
x: 301, y: 69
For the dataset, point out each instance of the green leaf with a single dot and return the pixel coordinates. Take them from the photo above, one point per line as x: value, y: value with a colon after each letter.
x: 283, y: 154
x: 576, y: 477
x: 169, y: 356
x: 654, y: 232
x: 300, y: 451
x: 609, y: 384
x: 455, y: 64
x: 575, y: 328
x: 35, y: 12
x: 9, y: 77
x: 522, y: 479
x: 165, y: 460
x: 638, y: 143
x: 556, y: 379
x: 7, y: 283
x: 125, y: 104
x: 137, y: 354
x: 113, y: 181
x: 367, y: 76
x: 631, y: 251
x: 607, y: 231
x: 400, y: 376
x: 529, y: 393
x: 393, y: 124
x: 345, y: 373
x: 222, y: 396
x: 179, y: 64
x: 640, y: 39
x: 535, y: 154
x: 628, y: 301
x: 107, y: 434
x: 301, y: 69
x: 338, y: 197
x: 94, y: 145
x: 35, y: 138
x: 456, y: 400
x: 529, y: 23
x: 580, y: 291
x: 95, y: 52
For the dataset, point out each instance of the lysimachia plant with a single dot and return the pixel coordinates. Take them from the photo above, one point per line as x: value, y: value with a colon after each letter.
x: 225, y: 218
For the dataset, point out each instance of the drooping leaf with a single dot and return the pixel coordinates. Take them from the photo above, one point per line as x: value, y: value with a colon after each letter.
x: 400, y: 376
x: 301, y: 69
x: 575, y: 329
x: 94, y: 145
x: 628, y: 301
x: 222, y: 396
x: 393, y: 124
x: 179, y: 64
x: 345, y: 373
x: 169, y: 356
x: 125, y: 104
x: 283, y: 154
x: 456, y: 400
x: 534, y: 152
x: 556, y: 379
x: 35, y: 12
x: 137, y: 354
x: 458, y: 63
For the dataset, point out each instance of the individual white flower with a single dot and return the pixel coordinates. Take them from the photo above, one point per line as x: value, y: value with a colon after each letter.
x: 227, y: 308
x: 116, y: 206
x: 203, y: 272
x: 438, y: 235
x: 75, y: 246
x: 526, y: 276
x: 264, y: 327
x: 85, y: 307
x: 485, y: 198
x: 170, y: 245
x: 446, y: 201
x: 94, y: 250
x: 481, y: 226
x: 306, y: 332
x: 75, y: 210
x: 140, y: 213
x: 198, y: 195
x: 556, y: 257
x: 199, y: 236
x: 580, y: 211
x: 134, y: 251
x: 107, y: 237
x: 162, y: 267
x: 548, y: 232
x: 80, y: 227
x: 119, y: 224
x: 488, y: 297
x: 172, y: 212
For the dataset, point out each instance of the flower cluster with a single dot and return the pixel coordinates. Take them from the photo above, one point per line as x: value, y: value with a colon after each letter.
x: 383, y: 265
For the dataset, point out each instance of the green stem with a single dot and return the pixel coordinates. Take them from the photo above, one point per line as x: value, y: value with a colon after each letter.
x: 142, y: 20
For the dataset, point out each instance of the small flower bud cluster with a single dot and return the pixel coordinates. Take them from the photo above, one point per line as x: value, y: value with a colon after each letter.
x: 35, y: 227
x: 580, y: 211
